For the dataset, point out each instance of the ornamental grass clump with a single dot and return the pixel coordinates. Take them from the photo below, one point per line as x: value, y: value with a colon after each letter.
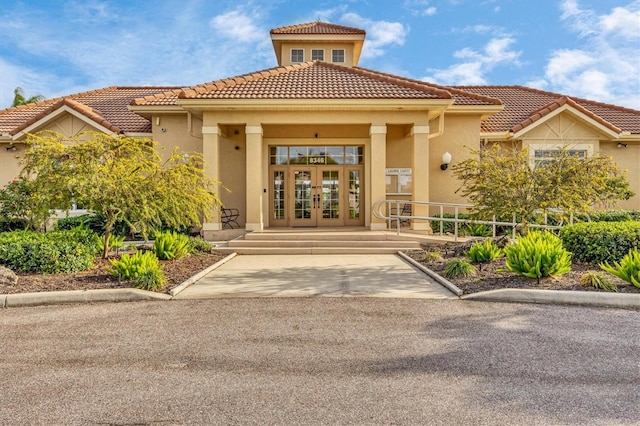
x: 142, y: 268
x: 537, y: 255
x: 459, y: 268
x: 170, y: 245
x: 628, y: 269
x: 597, y: 280
x: 484, y: 252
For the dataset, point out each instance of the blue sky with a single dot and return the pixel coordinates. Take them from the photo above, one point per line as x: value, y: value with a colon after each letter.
x: 582, y: 48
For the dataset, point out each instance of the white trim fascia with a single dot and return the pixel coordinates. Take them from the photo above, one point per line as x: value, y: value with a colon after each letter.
x: 571, y: 110
x: 485, y: 110
x: 55, y: 114
x: 492, y: 136
x: 627, y: 136
x: 313, y: 104
x: 153, y: 109
x: 317, y: 37
x: 139, y: 134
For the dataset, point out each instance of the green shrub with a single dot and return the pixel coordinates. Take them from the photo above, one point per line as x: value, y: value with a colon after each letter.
x: 199, y: 244
x: 170, y: 246
x: 599, y: 242
x: 67, y: 223
x: 8, y: 225
x: 49, y: 253
x: 150, y: 279
x: 484, y: 252
x: 628, y: 269
x: 597, y: 280
x: 143, y: 268
x: 430, y: 256
x: 477, y: 230
x: 448, y: 227
x: 536, y: 255
x: 115, y: 243
x: 459, y: 268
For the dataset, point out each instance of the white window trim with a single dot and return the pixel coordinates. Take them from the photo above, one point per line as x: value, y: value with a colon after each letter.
x: 344, y: 56
x: 291, y: 55
x: 318, y: 50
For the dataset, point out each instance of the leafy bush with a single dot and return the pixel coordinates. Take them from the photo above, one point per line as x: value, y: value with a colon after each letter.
x: 599, y: 242
x: 477, y: 230
x: 628, y: 269
x: 115, y: 243
x: 170, y: 246
x: 143, y: 268
x: 608, y: 216
x: 597, y: 280
x: 484, y: 252
x: 430, y: 256
x: 447, y: 227
x: 49, y: 253
x: 8, y: 225
x: 199, y: 244
x: 459, y: 268
x: 538, y: 254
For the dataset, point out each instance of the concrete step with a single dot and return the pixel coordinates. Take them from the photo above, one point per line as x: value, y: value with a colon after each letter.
x: 315, y: 236
x: 309, y: 250
x: 324, y: 243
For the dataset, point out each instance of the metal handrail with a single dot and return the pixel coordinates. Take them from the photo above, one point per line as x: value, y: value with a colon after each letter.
x: 394, y: 214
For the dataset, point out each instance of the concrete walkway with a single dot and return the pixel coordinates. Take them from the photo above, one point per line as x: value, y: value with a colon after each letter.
x: 316, y: 275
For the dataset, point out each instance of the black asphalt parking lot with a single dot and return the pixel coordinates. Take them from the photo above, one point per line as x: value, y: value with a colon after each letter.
x: 319, y: 361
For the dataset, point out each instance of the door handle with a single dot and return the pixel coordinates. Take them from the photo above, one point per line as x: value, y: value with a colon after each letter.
x: 314, y: 201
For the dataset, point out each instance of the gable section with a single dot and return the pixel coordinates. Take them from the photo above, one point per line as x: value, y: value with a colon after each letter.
x: 66, y: 121
x: 565, y: 122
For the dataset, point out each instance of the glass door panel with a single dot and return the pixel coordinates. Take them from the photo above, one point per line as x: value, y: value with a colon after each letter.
x: 330, y: 194
x: 302, y: 194
x: 279, y: 184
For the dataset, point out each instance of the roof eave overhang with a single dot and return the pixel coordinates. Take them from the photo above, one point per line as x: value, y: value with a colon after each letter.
x: 496, y: 136
x: 434, y: 107
x: 148, y: 110
x: 56, y: 114
x: 485, y: 111
x: 571, y: 110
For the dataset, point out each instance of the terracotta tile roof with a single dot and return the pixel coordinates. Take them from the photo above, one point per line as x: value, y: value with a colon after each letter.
x: 316, y: 80
x: 107, y: 107
x: 524, y: 106
x: 317, y: 28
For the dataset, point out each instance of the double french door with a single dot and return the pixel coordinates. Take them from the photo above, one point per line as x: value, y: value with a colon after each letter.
x: 316, y: 196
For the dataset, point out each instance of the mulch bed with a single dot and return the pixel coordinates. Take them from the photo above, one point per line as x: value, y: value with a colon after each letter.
x: 489, y: 279
x: 176, y: 271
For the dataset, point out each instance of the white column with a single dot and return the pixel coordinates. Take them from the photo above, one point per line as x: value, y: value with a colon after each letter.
x: 377, y: 185
x: 211, y: 136
x: 255, y: 184
x: 420, y: 170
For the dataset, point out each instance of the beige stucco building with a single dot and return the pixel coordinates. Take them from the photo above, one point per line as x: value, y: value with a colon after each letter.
x: 317, y: 140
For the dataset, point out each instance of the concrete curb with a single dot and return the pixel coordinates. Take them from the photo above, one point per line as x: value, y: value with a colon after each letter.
x: 560, y: 297
x: 79, y: 296
x: 440, y: 280
x: 174, y: 291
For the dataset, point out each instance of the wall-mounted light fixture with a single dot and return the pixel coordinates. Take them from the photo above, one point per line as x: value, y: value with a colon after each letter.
x: 446, y: 159
x: 622, y: 145
x: 11, y: 148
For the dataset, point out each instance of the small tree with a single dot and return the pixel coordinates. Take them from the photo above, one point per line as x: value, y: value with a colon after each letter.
x: 19, y: 98
x: 502, y: 182
x: 19, y: 204
x: 121, y: 177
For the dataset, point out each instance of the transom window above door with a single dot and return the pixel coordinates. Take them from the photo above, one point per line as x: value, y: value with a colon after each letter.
x: 317, y: 55
x: 316, y: 155
x: 297, y: 55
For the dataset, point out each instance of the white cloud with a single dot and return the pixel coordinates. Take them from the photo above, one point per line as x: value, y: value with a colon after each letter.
x: 237, y: 26
x: 475, y: 64
x: 606, y: 67
x: 430, y: 11
x: 420, y: 7
x: 380, y: 34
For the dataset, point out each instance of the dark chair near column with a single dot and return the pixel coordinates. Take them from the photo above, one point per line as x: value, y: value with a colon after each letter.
x: 404, y: 212
x: 229, y: 218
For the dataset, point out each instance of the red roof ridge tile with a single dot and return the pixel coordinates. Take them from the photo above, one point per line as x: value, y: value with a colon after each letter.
x: 295, y: 29
x: 145, y: 99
